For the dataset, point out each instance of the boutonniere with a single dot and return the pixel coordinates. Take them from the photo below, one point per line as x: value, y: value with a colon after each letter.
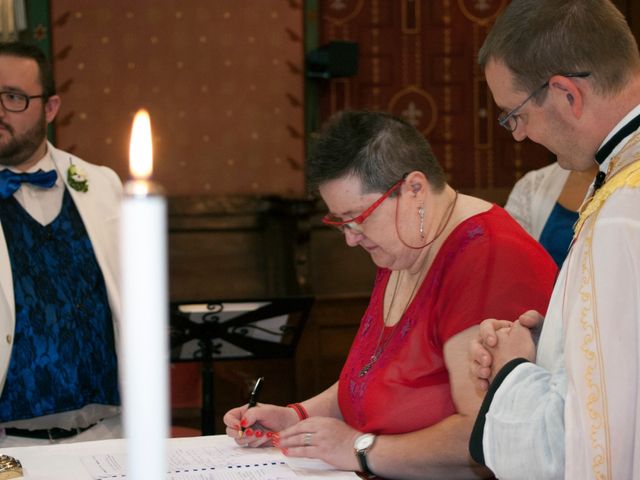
x: 76, y: 178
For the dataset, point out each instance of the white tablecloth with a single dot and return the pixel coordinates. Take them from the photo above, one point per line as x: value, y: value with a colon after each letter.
x: 69, y: 461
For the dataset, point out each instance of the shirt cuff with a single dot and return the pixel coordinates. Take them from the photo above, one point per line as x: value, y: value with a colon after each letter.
x: 477, y: 434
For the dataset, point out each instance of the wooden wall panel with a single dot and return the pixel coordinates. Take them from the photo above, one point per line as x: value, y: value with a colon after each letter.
x: 336, y: 269
x: 326, y: 342
x: 222, y: 81
x: 206, y: 265
x: 237, y: 247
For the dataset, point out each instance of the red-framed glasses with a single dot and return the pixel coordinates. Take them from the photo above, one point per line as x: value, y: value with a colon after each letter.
x: 354, y: 224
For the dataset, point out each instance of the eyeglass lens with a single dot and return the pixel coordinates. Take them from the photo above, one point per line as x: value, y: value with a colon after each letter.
x: 14, y: 102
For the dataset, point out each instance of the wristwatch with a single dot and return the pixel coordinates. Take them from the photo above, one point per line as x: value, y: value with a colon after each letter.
x: 362, y: 445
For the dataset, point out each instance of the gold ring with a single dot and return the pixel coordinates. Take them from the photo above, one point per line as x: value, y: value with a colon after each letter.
x: 306, y: 440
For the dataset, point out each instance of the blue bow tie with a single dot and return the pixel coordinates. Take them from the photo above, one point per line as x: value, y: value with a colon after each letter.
x: 10, y: 181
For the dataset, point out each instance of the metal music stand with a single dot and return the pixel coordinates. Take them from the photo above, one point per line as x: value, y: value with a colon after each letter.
x: 234, y: 330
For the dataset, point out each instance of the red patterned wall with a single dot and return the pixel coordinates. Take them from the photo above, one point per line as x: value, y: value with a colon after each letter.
x: 222, y: 81
x: 418, y: 60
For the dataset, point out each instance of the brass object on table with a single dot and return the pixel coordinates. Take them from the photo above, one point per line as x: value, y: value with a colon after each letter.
x: 10, y: 468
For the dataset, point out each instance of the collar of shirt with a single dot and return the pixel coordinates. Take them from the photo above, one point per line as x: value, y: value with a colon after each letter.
x: 604, y: 166
x: 43, y: 204
x: 45, y: 164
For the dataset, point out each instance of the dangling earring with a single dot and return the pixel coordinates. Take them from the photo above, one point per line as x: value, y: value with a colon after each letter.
x: 421, y: 215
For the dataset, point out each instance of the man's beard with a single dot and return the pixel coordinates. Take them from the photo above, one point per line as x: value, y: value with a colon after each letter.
x: 20, y: 149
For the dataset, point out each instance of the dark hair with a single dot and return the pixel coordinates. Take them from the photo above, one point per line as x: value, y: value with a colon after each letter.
x: 537, y: 39
x: 376, y: 147
x: 27, y: 50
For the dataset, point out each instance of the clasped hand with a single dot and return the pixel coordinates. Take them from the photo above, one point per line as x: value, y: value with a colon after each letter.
x: 500, y: 341
x: 325, y: 438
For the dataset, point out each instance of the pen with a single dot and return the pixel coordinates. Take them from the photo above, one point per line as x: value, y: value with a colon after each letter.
x: 253, y: 398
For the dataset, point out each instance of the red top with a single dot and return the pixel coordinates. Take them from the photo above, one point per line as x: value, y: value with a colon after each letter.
x: 488, y: 267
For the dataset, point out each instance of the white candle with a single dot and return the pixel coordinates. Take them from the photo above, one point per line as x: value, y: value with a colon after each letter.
x: 144, y: 346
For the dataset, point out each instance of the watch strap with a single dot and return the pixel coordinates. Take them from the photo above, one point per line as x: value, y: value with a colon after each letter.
x: 362, y: 445
x: 362, y: 460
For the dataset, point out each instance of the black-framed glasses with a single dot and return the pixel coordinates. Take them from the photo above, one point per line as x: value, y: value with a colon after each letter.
x: 16, y: 102
x: 355, y: 224
x: 509, y: 120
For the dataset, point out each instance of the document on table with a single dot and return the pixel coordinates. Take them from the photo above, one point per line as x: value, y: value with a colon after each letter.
x: 216, y: 462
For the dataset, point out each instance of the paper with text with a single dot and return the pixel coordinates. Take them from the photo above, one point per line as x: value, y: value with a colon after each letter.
x: 214, y: 462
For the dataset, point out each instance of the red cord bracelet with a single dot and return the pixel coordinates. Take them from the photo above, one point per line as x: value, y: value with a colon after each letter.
x: 300, y: 410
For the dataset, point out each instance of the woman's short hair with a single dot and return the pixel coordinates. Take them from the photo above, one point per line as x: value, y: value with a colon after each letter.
x: 375, y: 147
x: 537, y: 39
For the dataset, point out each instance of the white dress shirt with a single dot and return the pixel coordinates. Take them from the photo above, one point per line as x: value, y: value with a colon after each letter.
x: 43, y: 204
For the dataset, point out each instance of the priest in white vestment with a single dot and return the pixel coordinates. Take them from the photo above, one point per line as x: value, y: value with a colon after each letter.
x: 570, y: 408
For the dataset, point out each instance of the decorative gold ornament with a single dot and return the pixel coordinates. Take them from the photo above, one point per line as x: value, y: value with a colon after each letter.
x: 10, y: 467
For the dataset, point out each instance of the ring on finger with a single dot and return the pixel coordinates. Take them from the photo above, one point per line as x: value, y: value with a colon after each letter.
x: 306, y: 440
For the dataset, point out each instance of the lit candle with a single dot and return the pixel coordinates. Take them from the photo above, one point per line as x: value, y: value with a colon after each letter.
x: 144, y: 346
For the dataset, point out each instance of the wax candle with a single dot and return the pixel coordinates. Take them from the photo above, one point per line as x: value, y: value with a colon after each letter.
x: 144, y: 342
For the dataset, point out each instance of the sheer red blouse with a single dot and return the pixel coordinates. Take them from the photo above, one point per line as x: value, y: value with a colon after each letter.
x: 488, y: 267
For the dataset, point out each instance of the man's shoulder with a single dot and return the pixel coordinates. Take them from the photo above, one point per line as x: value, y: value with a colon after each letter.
x: 62, y: 157
x: 93, y: 172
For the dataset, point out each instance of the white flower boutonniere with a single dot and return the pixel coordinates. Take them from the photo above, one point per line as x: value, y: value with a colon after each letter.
x: 77, y: 179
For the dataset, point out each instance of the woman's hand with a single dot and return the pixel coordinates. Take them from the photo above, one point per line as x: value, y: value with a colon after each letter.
x: 261, y: 423
x: 328, y: 439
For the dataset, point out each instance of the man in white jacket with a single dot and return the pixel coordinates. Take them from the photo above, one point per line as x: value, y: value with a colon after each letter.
x: 59, y: 302
x: 567, y: 75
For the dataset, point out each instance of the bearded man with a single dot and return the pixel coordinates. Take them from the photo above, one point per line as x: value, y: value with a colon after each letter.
x: 59, y: 303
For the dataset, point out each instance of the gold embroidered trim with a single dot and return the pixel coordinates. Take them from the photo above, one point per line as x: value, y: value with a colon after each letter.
x: 594, y: 378
x: 625, y: 175
x: 629, y: 176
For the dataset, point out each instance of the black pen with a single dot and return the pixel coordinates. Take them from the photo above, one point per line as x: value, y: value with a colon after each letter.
x: 253, y: 398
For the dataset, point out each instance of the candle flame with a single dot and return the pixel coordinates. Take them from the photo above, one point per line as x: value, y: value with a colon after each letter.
x: 140, y: 147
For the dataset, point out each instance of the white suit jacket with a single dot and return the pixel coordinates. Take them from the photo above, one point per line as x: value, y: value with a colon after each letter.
x: 100, y: 211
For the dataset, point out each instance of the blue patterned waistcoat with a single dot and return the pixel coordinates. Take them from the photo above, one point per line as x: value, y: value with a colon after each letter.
x: 63, y: 354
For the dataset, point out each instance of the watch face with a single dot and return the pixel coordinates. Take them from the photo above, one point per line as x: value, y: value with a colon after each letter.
x: 364, y: 441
